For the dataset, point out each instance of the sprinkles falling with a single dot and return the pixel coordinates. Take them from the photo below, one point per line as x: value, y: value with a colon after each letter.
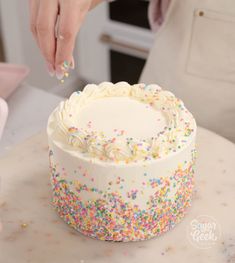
x: 65, y: 68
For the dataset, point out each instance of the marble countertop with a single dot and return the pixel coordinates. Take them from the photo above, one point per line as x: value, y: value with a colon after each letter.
x: 22, y: 122
x: 31, y: 231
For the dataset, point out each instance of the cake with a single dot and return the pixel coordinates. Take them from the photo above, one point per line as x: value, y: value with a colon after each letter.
x: 122, y: 160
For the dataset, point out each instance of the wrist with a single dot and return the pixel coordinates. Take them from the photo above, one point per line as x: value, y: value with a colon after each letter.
x: 94, y: 3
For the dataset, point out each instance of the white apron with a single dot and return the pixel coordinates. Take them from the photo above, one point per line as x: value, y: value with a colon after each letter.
x: 194, y: 57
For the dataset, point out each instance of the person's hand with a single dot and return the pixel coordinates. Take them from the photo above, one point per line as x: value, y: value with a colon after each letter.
x: 55, y: 24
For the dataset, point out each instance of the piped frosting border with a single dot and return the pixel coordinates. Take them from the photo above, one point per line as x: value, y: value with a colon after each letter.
x: 180, y: 129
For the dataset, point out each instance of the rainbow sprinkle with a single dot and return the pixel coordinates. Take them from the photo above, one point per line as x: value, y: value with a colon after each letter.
x: 109, y: 217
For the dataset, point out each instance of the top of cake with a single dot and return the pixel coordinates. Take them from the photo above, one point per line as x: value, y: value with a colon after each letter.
x: 122, y: 123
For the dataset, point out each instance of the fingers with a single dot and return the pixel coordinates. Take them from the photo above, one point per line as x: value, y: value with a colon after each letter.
x: 45, y: 29
x: 71, y: 16
x: 43, y: 19
x: 33, y: 7
x: 43, y: 16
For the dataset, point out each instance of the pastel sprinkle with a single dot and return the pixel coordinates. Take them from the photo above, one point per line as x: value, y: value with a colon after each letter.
x: 110, y: 217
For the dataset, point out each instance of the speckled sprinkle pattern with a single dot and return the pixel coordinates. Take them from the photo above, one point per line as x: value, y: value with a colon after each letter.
x: 110, y: 218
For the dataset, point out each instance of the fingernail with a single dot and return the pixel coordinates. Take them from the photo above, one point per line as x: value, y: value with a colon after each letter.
x: 66, y: 66
x: 72, y: 64
x: 59, y: 73
x: 62, y: 71
x: 51, y: 70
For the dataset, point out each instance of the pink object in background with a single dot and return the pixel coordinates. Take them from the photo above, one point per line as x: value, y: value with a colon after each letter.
x: 10, y: 77
x: 3, y: 115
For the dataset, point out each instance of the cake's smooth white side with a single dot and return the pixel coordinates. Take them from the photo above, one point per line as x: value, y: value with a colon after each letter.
x: 117, y: 200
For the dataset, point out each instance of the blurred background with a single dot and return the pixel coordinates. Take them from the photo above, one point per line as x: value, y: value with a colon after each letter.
x: 115, y: 49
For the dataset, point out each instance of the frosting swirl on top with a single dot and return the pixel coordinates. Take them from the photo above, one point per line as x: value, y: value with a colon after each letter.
x: 178, y: 132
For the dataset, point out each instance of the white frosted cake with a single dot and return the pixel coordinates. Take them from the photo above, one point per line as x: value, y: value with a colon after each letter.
x: 121, y: 160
